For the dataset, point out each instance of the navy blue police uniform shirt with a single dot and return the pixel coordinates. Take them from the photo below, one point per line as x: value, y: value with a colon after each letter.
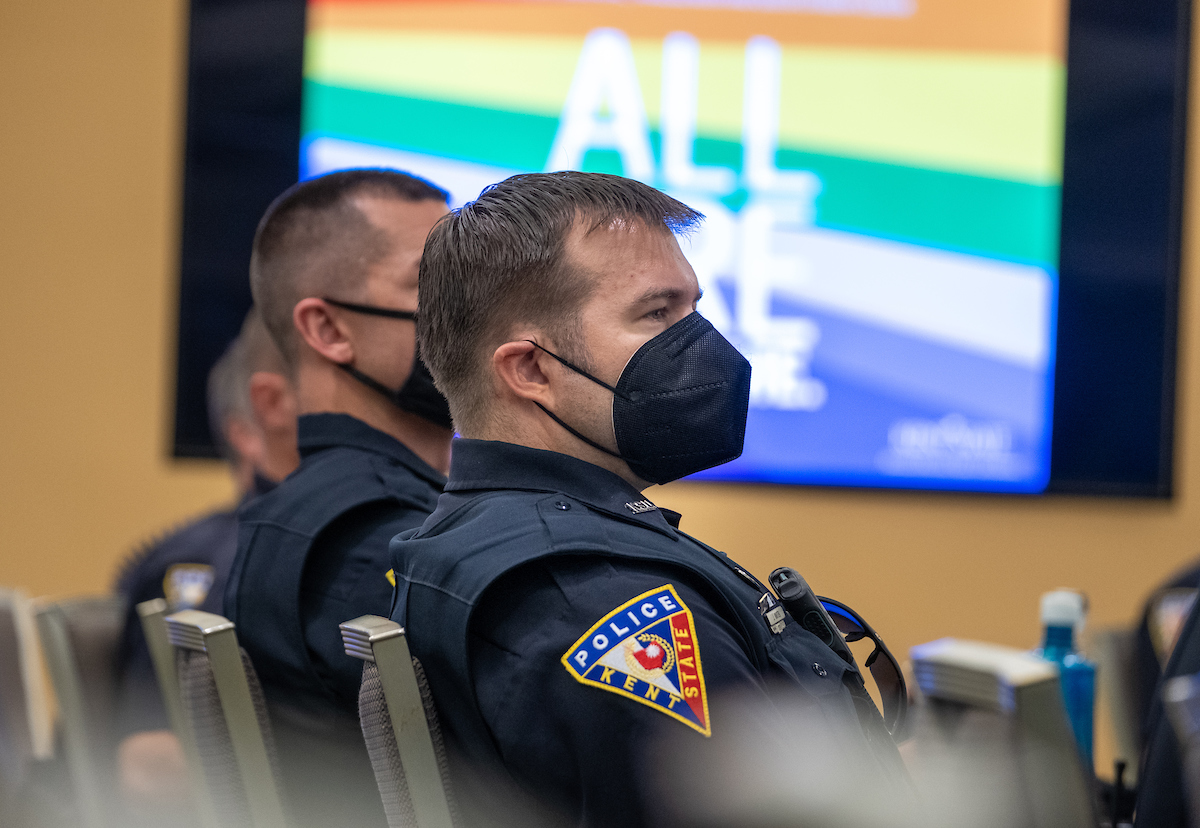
x: 312, y: 554
x: 189, y: 568
x: 564, y: 622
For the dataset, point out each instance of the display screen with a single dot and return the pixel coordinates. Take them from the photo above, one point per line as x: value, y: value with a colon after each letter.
x: 881, y: 182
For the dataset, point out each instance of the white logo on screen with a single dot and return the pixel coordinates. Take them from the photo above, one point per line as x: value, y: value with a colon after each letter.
x: 952, y: 446
x: 952, y: 434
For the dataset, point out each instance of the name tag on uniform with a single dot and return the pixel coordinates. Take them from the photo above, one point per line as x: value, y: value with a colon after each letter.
x: 646, y: 650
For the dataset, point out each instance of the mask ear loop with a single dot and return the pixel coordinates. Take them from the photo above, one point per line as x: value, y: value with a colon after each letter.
x: 580, y: 371
x: 371, y: 310
x: 575, y: 433
x: 371, y: 382
x: 559, y: 420
x: 392, y: 394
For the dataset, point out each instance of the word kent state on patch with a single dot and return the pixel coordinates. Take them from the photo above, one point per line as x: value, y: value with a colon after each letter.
x: 646, y: 650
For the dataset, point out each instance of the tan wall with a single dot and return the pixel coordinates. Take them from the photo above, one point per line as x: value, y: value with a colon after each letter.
x: 89, y: 158
x: 89, y: 153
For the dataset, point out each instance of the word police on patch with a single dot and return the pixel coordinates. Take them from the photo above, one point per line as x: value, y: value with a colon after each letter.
x: 646, y: 650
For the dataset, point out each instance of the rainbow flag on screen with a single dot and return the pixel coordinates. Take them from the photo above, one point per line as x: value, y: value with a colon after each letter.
x: 880, y: 178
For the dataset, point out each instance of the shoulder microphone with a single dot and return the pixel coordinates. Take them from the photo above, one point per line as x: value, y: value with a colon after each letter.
x: 800, y: 602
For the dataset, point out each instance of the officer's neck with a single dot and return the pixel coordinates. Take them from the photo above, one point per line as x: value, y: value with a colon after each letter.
x: 541, y: 432
x: 325, y: 389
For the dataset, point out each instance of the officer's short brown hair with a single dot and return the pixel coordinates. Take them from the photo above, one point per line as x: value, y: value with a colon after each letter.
x: 313, y: 241
x: 499, y: 262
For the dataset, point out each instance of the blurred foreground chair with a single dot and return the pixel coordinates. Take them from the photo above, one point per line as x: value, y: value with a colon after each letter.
x: 80, y: 638
x: 1113, y: 651
x: 400, y: 725
x: 226, y: 717
x: 995, y: 699
x: 26, y: 728
x: 1181, y: 698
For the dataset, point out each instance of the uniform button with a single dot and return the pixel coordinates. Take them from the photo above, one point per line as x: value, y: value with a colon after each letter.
x: 563, y: 505
x: 819, y: 670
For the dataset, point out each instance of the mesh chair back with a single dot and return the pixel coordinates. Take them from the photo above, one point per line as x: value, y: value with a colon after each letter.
x: 381, y: 747
x: 1181, y: 698
x: 80, y: 639
x: 226, y: 716
x: 214, y: 746
x: 400, y: 725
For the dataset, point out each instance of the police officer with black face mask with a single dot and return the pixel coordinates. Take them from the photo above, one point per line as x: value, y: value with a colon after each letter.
x: 334, y: 274
x: 565, y: 622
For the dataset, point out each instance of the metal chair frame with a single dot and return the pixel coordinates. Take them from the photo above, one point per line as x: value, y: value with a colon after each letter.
x: 152, y: 616
x: 26, y: 724
x: 214, y: 635
x: 38, y: 712
x: 61, y: 661
x: 379, y: 640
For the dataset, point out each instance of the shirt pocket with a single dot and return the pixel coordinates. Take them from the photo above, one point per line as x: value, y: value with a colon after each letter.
x: 799, y: 656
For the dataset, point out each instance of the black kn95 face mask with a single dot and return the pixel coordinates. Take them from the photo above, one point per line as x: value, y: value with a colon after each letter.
x: 680, y: 404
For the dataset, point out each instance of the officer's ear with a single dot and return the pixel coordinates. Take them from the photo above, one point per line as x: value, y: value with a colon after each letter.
x: 245, y: 438
x: 272, y: 401
x: 519, y: 370
x: 321, y: 329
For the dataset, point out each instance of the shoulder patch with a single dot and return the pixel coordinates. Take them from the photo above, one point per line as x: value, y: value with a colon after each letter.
x: 646, y: 650
x: 186, y: 585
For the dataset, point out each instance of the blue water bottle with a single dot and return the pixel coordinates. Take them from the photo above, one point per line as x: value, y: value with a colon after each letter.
x: 1063, y: 612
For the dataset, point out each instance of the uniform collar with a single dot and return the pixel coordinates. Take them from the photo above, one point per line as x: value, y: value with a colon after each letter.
x: 316, y: 432
x: 488, y: 465
x: 262, y: 485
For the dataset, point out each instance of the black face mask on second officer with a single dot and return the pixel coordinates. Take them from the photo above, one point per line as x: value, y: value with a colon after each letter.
x: 680, y: 404
x: 418, y: 395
